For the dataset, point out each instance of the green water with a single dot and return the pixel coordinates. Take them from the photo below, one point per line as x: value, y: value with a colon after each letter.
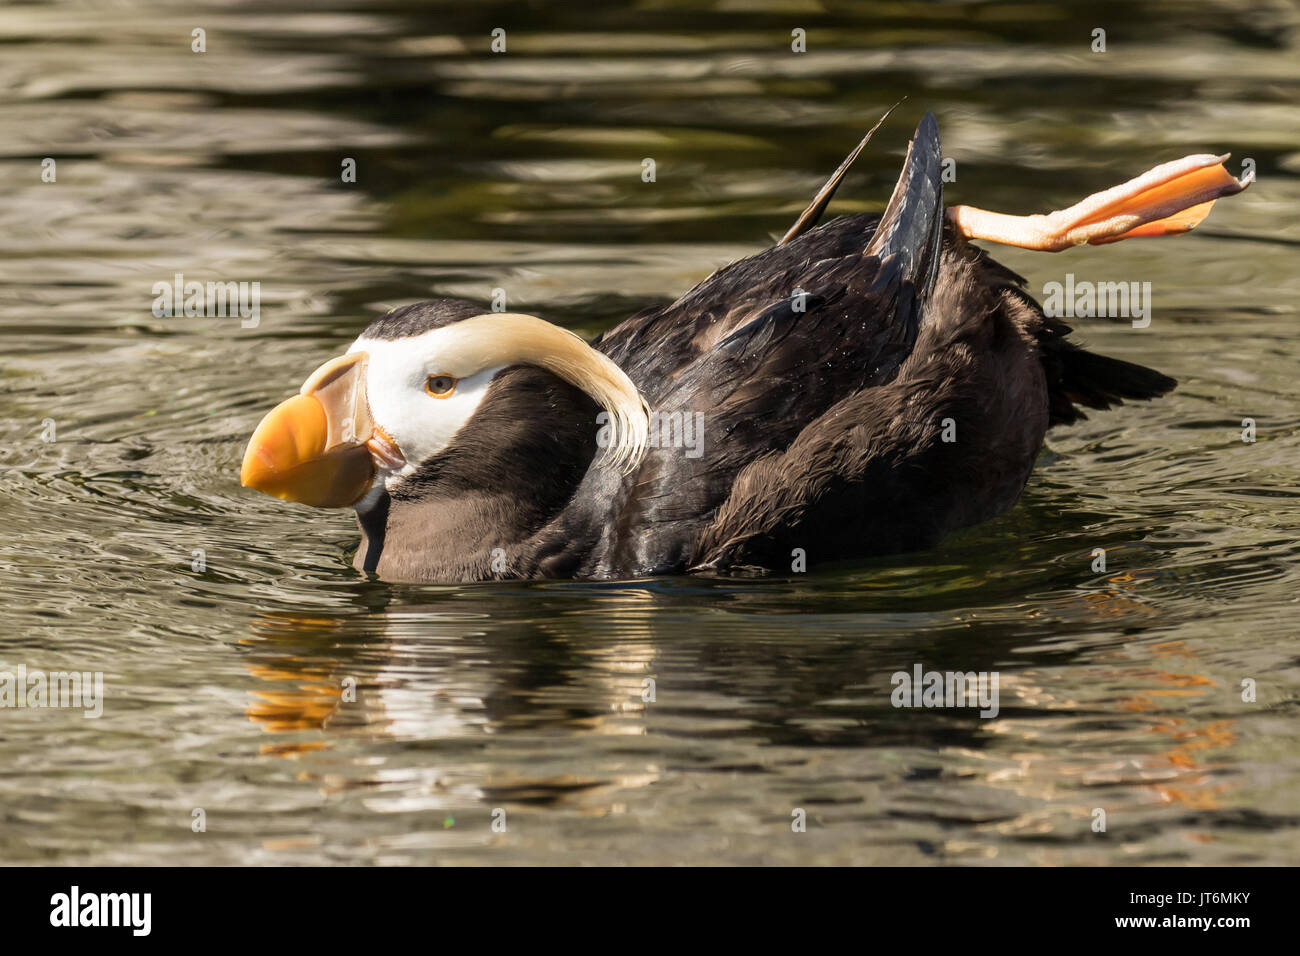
x: 1120, y: 690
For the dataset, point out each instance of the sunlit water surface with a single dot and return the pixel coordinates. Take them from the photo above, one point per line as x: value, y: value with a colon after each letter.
x: 1120, y: 690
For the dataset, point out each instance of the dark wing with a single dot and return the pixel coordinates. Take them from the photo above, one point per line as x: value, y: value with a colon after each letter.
x: 949, y: 442
x: 813, y: 213
x: 757, y: 361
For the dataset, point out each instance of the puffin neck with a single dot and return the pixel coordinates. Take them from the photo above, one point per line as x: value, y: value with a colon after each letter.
x: 509, y: 471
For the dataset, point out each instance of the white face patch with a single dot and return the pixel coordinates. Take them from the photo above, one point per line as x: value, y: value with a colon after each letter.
x: 473, y: 351
x: 417, y: 422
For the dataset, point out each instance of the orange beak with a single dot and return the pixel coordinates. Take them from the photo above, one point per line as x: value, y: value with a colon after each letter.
x: 312, y: 448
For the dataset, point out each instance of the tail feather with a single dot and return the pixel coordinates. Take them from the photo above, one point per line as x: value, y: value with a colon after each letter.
x: 1079, y: 377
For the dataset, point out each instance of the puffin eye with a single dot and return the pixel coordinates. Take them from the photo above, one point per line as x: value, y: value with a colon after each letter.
x: 440, y: 386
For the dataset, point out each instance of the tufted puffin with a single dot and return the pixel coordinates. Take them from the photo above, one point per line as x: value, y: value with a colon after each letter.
x: 862, y: 387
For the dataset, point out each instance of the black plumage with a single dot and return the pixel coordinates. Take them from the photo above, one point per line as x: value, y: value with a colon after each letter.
x: 826, y: 415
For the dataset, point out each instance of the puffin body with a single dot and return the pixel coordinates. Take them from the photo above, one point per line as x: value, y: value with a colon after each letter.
x: 863, y: 387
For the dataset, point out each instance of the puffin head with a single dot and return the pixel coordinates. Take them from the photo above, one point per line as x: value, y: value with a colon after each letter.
x: 412, y: 387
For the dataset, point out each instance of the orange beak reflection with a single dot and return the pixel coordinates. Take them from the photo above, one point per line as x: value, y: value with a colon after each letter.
x: 312, y: 448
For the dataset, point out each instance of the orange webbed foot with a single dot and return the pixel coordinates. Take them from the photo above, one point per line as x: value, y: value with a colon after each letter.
x: 1168, y: 200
